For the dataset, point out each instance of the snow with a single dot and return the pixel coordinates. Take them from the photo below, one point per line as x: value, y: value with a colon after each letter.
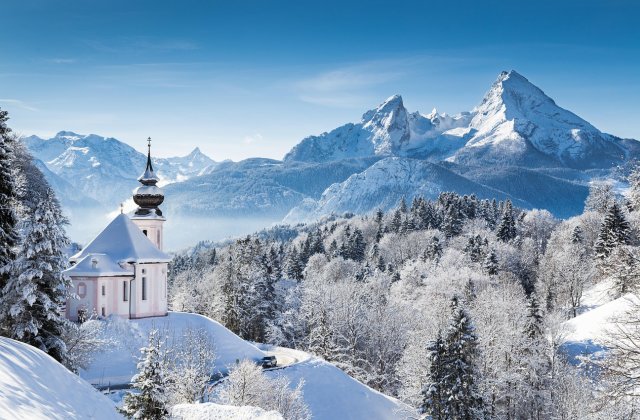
x: 211, y: 411
x: 594, y: 325
x: 94, y: 265
x: 34, y: 386
x: 122, y: 240
x: 332, y: 394
x: 117, y: 364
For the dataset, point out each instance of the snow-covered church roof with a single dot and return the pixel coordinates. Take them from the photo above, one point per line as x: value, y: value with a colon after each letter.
x: 94, y: 265
x: 123, y: 241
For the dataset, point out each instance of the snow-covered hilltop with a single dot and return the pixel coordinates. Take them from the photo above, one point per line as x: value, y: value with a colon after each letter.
x: 34, y: 386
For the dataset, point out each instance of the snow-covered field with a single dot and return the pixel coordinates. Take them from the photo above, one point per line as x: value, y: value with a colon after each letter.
x: 34, y: 386
x: 211, y: 411
x: 117, y: 364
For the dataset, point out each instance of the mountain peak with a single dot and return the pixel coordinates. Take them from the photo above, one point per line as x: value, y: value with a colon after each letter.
x: 68, y: 134
x: 391, y: 104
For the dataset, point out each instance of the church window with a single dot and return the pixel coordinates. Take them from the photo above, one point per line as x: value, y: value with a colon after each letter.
x: 144, y: 271
x: 158, y: 236
x: 104, y: 292
x: 145, y: 232
x: 103, y: 312
x: 82, y: 290
x: 125, y: 292
x: 144, y: 288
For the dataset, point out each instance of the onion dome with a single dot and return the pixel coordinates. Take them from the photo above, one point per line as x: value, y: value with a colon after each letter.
x: 149, y: 196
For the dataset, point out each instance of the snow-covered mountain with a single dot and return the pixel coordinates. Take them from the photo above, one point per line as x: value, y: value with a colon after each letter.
x: 104, y: 169
x: 388, y: 130
x: 516, y: 143
x: 516, y: 123
x: 382, y: 185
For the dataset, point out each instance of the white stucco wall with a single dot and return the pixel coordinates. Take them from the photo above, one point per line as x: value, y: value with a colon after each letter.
x: 113, y: 301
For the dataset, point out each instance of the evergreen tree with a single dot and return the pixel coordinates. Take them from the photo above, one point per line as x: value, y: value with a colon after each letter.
x: 434, y: 249
x: 434, y: 395
x: 577, y: 236
x: 507, y: 228
x: 452, y: 391
x: 453, y: 221
x: 150, y: 403
x: 9, y: 237
x: 613, y: 233
x: 37, y: 289
x: 490, y: 264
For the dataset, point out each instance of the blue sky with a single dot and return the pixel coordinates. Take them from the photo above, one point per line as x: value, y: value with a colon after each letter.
x: 252, y: 78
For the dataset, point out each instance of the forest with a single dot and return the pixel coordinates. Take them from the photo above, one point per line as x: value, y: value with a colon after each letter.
x: 456, y: 306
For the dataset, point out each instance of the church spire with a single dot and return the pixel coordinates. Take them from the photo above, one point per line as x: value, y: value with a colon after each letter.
x: 149, y: 176
x: 149, y: 196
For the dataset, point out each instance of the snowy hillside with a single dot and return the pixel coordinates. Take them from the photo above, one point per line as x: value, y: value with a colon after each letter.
x: 105, y: 169
x: 117, y: 364
x: 34, y: 386
x: 332, y: 394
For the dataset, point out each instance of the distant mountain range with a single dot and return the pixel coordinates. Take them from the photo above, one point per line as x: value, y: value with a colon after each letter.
x: 517, y: 143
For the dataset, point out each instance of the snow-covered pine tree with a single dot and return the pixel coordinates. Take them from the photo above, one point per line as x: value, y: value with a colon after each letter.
x: 37, y: 288
x: 9, y: 237
x: 150, y: 402
x: 454, y: 382
x: 453, y: 221
x: 490, y: 263
x: 434, y: 395
x: 507, y: 228
x: 614, y: 232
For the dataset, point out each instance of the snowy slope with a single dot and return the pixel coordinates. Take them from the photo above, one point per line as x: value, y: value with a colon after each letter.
x: 117, y: 364
x: 332, y: 394
x: 34, y: 386
x: 382, y: 185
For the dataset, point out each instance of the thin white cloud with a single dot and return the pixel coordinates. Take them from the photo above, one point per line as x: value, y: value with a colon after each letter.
x: 351, y: 85
x: 59, y: 60
x: 18, y: 103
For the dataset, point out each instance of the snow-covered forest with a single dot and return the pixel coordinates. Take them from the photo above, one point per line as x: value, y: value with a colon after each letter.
x: 456, y: 306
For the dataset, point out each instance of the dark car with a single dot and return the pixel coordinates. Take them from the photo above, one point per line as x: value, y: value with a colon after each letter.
x: 268, y: 362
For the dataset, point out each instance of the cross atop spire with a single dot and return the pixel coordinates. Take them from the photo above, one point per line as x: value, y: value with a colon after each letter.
x: 148, y: 177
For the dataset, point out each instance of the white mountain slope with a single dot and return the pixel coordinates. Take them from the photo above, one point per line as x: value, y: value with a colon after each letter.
x: 105, y: 169
x: 382, y: 185
x: 517, y: 123
x: 34, y: 386
x: 388, y: 130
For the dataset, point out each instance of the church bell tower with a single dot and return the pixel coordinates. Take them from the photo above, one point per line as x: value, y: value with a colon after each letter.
x: 148, y: 197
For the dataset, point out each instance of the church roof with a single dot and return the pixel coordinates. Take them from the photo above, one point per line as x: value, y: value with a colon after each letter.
x: 123, y: 241
x: 93, y: 265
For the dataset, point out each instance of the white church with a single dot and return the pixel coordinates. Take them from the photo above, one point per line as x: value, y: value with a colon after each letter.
x: 123, y: 271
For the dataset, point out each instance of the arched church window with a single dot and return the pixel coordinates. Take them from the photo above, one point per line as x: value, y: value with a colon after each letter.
x: 145, y: 232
